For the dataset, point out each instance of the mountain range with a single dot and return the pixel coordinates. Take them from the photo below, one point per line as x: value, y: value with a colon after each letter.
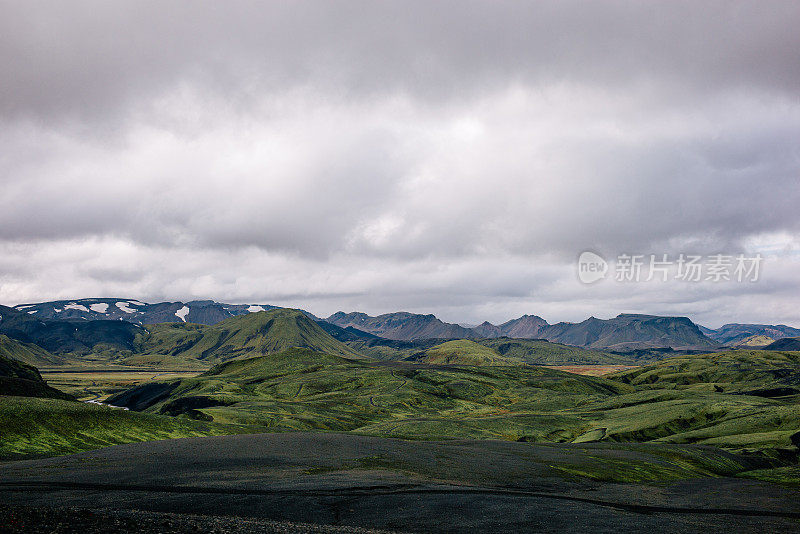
x: 626, y: 332
x: 733, y: 333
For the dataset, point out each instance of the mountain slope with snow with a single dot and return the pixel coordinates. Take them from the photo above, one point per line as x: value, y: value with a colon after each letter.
x: 134, y: 311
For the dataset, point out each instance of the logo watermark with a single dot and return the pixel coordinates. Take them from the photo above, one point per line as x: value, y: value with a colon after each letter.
x: 664, y: 267
x: 591, y: 267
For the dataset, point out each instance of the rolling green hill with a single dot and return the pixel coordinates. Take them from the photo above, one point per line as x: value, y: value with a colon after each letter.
x: 513, y: 351
x: 756, y: 372
x: 739, y: 400
x: 242, y: 336
x: 47, y: 427
x: 462, y: 352
x: 541, y: 352
x: 304, y: 390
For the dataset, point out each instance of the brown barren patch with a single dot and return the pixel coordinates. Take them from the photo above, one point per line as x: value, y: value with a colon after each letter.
x: 591, y: 370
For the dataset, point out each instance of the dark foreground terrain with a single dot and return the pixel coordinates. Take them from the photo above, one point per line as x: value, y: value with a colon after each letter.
x: 248, y: 483
x: 41, y: 520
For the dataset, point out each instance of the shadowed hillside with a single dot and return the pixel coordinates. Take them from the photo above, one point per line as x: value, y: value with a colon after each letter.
x: 60, y: 337
x: 23, y: 380
x: 27, y: 353
x: 631, y: 331
x: 789, y: 343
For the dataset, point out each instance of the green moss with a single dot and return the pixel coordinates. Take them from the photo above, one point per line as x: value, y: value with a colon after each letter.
x: 47, y: 427
x: 787, y: 476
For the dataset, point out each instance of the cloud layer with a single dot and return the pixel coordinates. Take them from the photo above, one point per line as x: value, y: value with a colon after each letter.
x: 452, y: 157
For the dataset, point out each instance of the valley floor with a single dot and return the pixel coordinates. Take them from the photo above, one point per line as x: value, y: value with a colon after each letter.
x: 98, y: 384
x: 397, y: 485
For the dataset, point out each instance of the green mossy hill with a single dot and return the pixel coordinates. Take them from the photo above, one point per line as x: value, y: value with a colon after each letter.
x: 47, y: 427
x: 728, y: 399
x: 305, y: 390
x: 509, y: 350
x: 242, y: 336
x: 463, y: 352
x: 758, y: 372
x: 743, y: 400
x: 541, y: 352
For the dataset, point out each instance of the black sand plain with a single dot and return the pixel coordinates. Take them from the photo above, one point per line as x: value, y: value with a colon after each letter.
x: 325, y: 482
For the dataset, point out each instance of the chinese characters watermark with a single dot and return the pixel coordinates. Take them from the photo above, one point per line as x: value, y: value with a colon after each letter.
x: 664, y: 267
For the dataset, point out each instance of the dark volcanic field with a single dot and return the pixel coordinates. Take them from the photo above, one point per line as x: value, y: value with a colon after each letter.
x: 356, y: 481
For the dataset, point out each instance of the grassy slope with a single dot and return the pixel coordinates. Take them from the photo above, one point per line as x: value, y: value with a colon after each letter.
x: 243, y: 336
x: 737, y: 371
x: 303, y: 390
x: 46, y: 427
x: 516, y: 351
x: 674, y: 401
x: 540, y: 352
x: 463, y: 352
x: 27, y: 353
x: 736, y: 399
x: 727, y: 400
x: 756, y: 341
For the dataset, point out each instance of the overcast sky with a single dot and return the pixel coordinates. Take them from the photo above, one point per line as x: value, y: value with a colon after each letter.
x: 441, y: 157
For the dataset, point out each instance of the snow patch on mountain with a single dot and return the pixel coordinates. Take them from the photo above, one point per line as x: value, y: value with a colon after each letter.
x: 100, y: 307
x: 254, y: 308
x: 124, y: 307
x: 182, y: 313
x: 74, y: 306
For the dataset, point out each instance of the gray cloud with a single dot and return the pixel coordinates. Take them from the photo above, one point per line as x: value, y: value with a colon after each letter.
x: 444, y: 156
x: 87, y: 58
